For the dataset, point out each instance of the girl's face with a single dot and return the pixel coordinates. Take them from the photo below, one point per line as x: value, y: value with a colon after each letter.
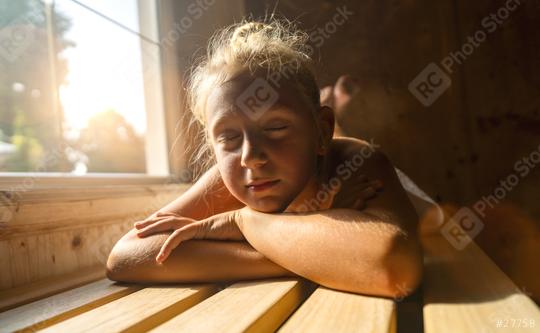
x: 278, y: 145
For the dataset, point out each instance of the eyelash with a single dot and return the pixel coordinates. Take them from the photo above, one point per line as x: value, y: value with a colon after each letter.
x: 273, y: 129
x: 276, y: 128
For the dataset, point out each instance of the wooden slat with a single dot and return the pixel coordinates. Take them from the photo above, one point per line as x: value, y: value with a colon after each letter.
x: 52, y: 232
x: 35, y: 218
x: 139, y: 311
x: 57, y: 308
x: 34, y: 258
x: 80, y: 189
x: 253, y: 306
x: 25, y: 294
x: 464, y: 291
x: 328, y: 310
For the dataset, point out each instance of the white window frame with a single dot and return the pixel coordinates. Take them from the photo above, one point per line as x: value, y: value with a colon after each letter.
x: 157, y: 164
x: 156, y: 135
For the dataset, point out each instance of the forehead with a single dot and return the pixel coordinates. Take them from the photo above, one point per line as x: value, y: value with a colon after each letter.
x: 234, y: 95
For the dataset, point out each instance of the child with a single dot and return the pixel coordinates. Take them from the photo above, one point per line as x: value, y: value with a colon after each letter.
x: 283, y: 197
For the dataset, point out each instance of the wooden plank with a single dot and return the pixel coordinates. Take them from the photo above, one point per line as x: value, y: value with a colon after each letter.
x: 34, y: 258
x: 36, y: 218
x: 57, y: 308
x: 501, y: 96
x: 24, y: 294
x: 252, y: 306
x: 464, y: 291
x: 46, y: 238
x: 328, y: 310
x: 13, y: 191
x: 5, y: 261
x: 139, y: 311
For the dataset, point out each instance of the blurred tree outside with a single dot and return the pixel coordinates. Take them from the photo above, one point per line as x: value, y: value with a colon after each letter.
x: 107, y: 137
x: 27, y: 118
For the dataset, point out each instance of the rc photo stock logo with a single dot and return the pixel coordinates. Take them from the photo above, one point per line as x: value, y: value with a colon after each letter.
x: 462, y: 228
x: 257, y: 98
x: 466, y: 224
x: 434, y: 80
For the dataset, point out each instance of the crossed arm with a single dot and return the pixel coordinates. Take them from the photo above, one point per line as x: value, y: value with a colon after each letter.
x: 133, y: 258
x: 374, y: 251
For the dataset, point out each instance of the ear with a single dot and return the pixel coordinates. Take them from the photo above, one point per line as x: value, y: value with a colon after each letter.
x: 326, y: 124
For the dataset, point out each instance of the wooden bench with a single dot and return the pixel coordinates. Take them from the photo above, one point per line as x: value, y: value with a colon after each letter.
x: 463, y: 291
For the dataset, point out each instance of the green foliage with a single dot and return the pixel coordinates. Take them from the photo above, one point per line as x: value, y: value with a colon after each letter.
x: 111, y: 144
x: 27, y: 118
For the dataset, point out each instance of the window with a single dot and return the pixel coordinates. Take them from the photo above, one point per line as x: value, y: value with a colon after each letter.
x: 80, y: 88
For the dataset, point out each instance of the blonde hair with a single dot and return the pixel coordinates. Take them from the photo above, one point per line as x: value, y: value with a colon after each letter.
x: 275, y: 46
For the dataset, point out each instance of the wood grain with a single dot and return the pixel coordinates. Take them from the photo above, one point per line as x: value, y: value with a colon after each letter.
x: 328, y: 310
x: 139, y: 311
x: 255, y: 306
x: 464, y: 291
x: 54, y: 309
x: 24, y: 294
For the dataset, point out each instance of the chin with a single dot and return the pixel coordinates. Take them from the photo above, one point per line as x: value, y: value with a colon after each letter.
x: 268, y: 206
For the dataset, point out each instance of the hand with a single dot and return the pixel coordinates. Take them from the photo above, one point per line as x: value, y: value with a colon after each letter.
x: 161, y: 221
x: 222, y: 226
x: 354, y: 192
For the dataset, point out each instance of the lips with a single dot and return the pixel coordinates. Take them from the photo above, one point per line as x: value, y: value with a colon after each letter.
x: 261, y: 185
x: 259, y: 182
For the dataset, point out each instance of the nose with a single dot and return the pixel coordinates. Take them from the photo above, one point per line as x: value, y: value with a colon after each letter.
x: 253, y: 155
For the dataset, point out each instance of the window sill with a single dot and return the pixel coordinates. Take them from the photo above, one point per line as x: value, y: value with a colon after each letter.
x: 25, y: 181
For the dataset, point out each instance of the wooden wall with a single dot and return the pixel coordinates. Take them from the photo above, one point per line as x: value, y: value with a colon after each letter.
x: 461, y: 146
x: 48, y: 233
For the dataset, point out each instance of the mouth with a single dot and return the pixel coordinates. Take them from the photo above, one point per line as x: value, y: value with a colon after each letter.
x: 262, y: 186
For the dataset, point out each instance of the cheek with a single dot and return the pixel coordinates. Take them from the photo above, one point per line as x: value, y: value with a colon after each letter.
x: 298, y: 154
x: 297, y: 163
x: 229, y: 167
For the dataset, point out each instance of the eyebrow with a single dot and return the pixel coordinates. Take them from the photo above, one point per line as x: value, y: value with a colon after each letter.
x: 223, y: 115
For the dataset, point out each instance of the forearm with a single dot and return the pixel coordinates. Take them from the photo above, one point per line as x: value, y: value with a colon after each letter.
x: 133, y: 260
x: 207, y: 197
x: 338, y: 248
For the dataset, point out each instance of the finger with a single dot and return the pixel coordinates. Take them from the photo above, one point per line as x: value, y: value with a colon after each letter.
x: 166, y: 214
x: 167, y: 246
x: 368, y: 192
x: 163, y: 225
x: 149, y: 220
x: 137, y: 224
x: 174, y: 240
x: 152, y: 219
x: 144, y: 223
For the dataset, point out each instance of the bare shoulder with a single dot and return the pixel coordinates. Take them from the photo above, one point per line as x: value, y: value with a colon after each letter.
x: 344, y: 142
x: 360, y: 152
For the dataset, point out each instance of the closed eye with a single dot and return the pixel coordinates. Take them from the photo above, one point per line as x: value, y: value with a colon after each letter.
x: 276, y: 128
x: 225, y: 138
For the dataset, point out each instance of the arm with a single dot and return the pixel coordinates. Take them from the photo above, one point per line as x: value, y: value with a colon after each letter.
x: 132, y: 258
x: 207, y: 197
x: 375, y: 251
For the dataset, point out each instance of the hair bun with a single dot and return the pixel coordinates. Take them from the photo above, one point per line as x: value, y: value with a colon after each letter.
x: 249, y: 32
